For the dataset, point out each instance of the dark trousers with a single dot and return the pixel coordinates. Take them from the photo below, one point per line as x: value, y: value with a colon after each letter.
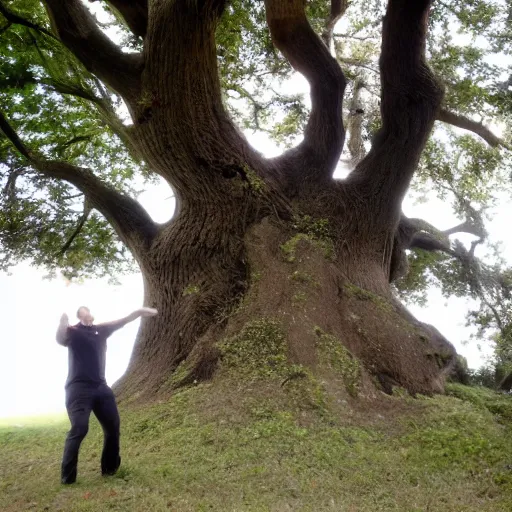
x: 81, y: 399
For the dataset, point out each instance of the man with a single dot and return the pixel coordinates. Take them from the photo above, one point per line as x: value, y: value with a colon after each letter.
x: 87, y: 390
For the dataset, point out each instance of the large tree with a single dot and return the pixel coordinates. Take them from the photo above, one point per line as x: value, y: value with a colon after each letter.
x: 257, y: 246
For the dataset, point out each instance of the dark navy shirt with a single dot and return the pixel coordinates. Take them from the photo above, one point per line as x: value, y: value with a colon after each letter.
x: 87, y: 350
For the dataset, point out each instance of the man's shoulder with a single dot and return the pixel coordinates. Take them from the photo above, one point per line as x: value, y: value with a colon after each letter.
x: 73, y: 331
x: 103, y: 329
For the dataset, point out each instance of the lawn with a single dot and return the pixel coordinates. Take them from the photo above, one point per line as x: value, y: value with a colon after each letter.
x: 207, y: 449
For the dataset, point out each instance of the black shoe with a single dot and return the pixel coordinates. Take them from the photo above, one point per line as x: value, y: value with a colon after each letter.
x: 67, y: 482
x: 111, y: 472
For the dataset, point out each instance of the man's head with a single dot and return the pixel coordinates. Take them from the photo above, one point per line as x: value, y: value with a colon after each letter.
x: 84, y: 315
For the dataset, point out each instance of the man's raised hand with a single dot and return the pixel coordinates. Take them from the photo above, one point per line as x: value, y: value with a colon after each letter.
x: 138, y: 313
x: 147, y: 312
x: 62, y: 331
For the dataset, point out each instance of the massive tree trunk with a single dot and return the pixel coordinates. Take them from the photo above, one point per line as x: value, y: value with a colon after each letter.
x: 254, y: 241
x: 297, y: 279
x: 279, y: 241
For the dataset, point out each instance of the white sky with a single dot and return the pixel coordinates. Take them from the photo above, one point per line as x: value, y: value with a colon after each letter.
x: 33, y: 367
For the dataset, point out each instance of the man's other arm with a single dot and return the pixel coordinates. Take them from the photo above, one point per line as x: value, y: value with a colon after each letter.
x: 62, y: 335
x: 110, y: 327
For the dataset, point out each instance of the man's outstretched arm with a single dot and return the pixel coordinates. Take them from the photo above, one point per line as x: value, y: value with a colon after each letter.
x: 110, y: 327
x: 62, y: 335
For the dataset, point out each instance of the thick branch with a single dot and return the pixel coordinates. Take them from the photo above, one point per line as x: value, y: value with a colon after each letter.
x: 419, y: 234
x: 438, y: 241
x: 477, y: 276
x: 467, y: 227
x: 134, y: 13
x: 131, y: 222
x: 410, y: 100
x: 26, y: 77
x: 13, y: 137
x: 105, y: 110
x: 103, y: 104
x: 429, y: 242
x: 355, y: 124
x: 355, y: 62
x: 468, y: 124
x: 7, y: 26
x: 71, y: 90
x: 324, y: 134
x: 338, y: 8
x: 182, y: 102
x: 15, y: 19
x: 77, y: 29
x: 10, y: 187
x: 78, y: 229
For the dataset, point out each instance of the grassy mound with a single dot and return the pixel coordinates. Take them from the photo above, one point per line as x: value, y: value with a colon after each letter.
x: 239, y: 447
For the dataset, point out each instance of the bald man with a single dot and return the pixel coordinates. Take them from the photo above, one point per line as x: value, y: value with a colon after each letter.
x: 87, y: 389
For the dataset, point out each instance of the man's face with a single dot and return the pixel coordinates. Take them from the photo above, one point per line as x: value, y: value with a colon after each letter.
x: 84, y: 315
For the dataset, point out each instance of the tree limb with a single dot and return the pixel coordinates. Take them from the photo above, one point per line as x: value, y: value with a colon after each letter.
x: 15, y: 19
x: 466, y: 123
x: 355, y: 62
x: 338, y: 8
x: 74, y: 140
x: 410, y: 99
x: 79, y: 32
x: 324, y: 133
x: 10, y: 186
x: 13, y: 137
x: 72, y: 196
x: 355, y: 124
x: 104, y: 108
x: 131, y: 222
x: 481, y: 279
x: 419, y: 234
x: 467, y: 227
x: 26, y: 77
x: 102, y: 104
x: 7, y: 26
x: 429, y: 242
x: 419, y: 227
x: 256, y: 106
x: 351, y: 36
x: 77, y: 230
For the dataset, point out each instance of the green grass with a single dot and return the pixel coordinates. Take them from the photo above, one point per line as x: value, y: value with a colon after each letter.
x: 226, y: 448
x: 31, y: 421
